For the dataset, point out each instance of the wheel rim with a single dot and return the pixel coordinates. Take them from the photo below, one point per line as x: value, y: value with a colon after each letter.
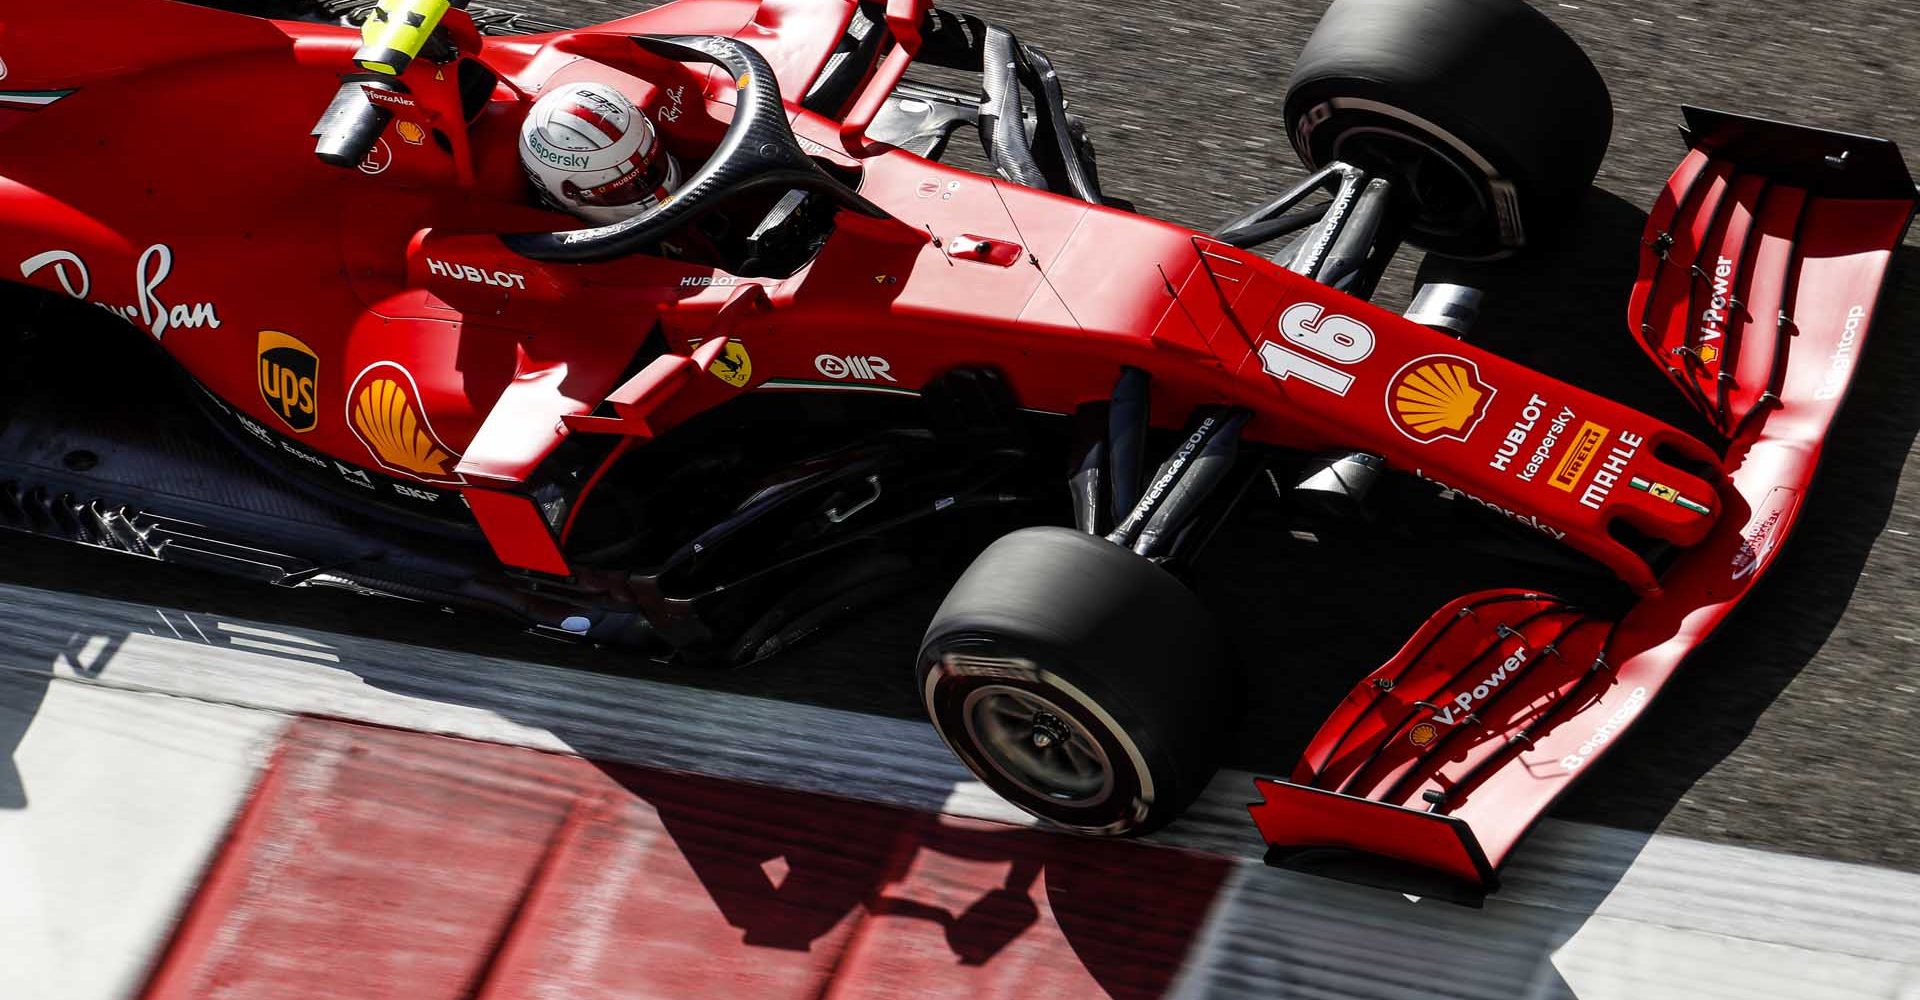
x: 1447, y: 196
x: 1038, y: 746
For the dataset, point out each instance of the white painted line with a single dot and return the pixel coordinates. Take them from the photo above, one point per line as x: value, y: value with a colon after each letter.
x: 270, y: 634
x: 1584, y: 912
x: 274, y: 647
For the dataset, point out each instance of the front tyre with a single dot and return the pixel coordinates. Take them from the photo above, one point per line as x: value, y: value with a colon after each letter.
x: 1081, y: 682
x: 1489, y: 119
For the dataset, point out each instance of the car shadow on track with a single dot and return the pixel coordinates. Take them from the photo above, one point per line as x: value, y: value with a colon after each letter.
x: 945, y: 905
x: 20, y: 696
x: 775, y: 877
x: 900, y: 901
x: 23, y: 689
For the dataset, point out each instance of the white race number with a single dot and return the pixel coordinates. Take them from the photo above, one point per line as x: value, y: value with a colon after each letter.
x: 1337, y: 338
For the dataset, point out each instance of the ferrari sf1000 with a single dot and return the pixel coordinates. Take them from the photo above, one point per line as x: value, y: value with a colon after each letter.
x: 814, y: 361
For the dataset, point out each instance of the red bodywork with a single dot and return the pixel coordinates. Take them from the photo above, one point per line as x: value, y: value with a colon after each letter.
x: 161, y: 167
x: 1755, y: 295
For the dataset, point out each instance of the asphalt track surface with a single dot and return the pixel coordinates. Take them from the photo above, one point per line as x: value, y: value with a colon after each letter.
x: 1793, y: 731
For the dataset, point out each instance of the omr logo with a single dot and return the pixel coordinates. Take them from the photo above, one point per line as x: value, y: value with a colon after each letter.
x: 1438, y: 396
x: 289, y: 380
x: 865, y: 368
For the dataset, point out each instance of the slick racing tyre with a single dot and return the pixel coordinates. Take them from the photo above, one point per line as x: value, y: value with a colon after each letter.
x: 1487, y: 117
x: 1081, y: 682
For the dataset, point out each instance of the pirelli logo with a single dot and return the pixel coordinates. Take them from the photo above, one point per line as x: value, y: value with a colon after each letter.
x: 1573, y: 465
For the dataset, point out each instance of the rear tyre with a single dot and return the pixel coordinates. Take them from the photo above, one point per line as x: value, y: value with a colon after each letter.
x: 1084, y: 684
x: 1490, y: 119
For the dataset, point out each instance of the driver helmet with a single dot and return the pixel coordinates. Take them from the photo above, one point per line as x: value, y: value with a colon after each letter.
x: 591, y: 152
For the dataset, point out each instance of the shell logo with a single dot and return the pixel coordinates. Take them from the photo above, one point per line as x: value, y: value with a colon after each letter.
x: 411, y: 132
x: 1422, y: 734
x: 1438, y: 396
x: 384, y: 412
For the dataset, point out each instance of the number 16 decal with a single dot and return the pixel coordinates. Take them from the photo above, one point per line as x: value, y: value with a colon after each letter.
x: 1337, y: 338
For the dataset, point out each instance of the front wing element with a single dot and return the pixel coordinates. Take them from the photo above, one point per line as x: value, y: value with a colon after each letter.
x: 1762, y: 261
x: 1492, y: 679
x: 1760, y: 271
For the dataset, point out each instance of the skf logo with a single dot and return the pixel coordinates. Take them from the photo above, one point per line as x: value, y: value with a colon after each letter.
x: 384, y: 411
x: 853, y: 366
x: 1438, y: 396
x: 289, y: 378
x: 734, y: 366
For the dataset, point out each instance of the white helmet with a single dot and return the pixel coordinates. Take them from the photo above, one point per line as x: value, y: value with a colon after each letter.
x: 592, y: 153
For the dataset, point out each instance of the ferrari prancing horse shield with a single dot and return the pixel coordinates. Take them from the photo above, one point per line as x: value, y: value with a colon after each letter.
x: 734, y: 366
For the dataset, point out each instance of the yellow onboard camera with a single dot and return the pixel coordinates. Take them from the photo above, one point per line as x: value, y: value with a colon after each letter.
x: 397, y: 30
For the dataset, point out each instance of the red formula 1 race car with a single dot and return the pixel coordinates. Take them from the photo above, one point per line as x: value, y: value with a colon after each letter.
x: 811, y: 360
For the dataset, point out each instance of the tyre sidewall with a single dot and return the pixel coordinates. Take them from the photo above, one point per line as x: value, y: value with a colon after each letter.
x: 1495, y: 83
x: 972, y: 662
x: 1323, y: 113
x: 1112, y: 637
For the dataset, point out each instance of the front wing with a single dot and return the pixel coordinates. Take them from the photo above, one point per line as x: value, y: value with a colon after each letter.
x: 1759, y: 277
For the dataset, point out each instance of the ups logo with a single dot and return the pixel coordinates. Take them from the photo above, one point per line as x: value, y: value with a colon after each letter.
x: 289, y: 376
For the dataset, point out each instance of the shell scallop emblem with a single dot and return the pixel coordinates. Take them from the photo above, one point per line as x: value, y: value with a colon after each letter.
x: 1422, y: 734
x: 384, y: 411
x: 1438, y: 396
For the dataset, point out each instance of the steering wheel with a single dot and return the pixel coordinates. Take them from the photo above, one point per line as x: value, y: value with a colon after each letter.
x: 758, y: 150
